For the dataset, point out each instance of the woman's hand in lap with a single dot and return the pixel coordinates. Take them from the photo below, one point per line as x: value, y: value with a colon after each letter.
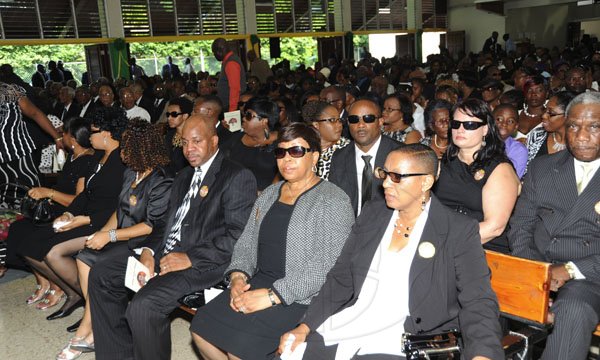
x: 98, y: 240
x: 76, y: 222
x: 252, y: 301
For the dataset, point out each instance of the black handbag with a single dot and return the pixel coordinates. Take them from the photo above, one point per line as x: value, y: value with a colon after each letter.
x: 15, y: 196
x: 196, y: 299
x: 38, y: 211
x: 440, y: 346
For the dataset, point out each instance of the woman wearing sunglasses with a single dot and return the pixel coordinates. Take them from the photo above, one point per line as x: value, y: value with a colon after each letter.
x: 398, y: 119
x: 253, y: 147
x: 325, y: 118
x: 178, y: 110
x: 476, y: 178
x: 295, y: 233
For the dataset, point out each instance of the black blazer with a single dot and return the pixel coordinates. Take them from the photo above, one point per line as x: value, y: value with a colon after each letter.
x: 74, y: 111
x: 551, y: 222
x: 343, y: 171
x: 215, y: 221
x: 147, y: 104
x: 449, y: 290
x: 100, y: 197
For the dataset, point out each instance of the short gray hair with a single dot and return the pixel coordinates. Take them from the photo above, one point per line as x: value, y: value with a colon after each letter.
x: 588, y: 97
x: 70, y: 91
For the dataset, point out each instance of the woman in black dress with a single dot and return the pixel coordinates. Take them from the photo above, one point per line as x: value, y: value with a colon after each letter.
x: 88, y: 212
x: 142, y: 203
x: 295, y: 233
x: 70, y: 183
x: 477, y: 179
x: 254, y: 147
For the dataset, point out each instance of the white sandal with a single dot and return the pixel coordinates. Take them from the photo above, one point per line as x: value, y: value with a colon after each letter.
x: 68, y: 354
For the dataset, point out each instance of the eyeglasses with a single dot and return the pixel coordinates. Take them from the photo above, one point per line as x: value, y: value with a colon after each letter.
x: 395, y: 177
x: 468, y: 125
x: 249, y: 116
x: 442, y: 121
x: 331, y: 120
x: 551, y: 114
x: 331, y: 102
x: 294, y: 151
x: 368, y: 119
x: 174, y: 114
x: 241, y: 104
x: 389, y: 110
x: 490, y: 89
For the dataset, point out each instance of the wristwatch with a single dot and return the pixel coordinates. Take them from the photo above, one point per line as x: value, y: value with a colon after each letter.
x: 112, y: 234
x: 570, y: 269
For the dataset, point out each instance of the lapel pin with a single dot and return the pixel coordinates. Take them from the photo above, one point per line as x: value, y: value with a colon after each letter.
x: 597, y: 208
x: 133, y: 200
x: 426, y: 250
x: 479, y: 174
x: 204, y: 191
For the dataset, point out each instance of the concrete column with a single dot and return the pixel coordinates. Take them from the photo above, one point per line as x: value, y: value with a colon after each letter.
x: 111, y: 10
x: 246, y: 13
x: 343, y: 15
x: 414, y: 17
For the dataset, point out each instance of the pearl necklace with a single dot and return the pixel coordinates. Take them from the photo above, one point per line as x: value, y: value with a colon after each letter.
x: 525, y: 108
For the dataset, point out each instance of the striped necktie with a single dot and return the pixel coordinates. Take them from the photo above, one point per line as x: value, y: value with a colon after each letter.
x: 175, y: 234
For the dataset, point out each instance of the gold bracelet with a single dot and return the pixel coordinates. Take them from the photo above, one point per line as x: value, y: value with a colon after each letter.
x: 58, y: 139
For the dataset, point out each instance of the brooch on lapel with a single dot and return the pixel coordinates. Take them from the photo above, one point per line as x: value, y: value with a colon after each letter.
x: 426, y: 250
x: 597, y: 208
x: 479, y: 174
x: 204, y: 191
x: 133, y: 200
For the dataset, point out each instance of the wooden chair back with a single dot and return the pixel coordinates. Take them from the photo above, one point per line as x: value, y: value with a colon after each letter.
x: 522, y: 286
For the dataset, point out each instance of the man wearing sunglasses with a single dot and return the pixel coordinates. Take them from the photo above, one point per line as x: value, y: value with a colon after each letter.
x: 352, y: 167
x: 210, y: 203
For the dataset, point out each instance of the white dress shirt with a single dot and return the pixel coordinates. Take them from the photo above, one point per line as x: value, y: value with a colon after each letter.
x: 360, y: 165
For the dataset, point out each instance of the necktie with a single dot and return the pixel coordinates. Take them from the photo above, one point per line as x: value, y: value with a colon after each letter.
x: 585, y: 177
x: 367, y: 180
x: 175, y: 234
x: 64, y: 113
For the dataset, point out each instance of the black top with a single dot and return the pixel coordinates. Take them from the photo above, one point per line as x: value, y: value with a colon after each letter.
x: 73, y: 170
x: 260, y: 160
x: 147, y: 203
x: 178, y: 161
x: 543, y: 149
x: 271, y: 241
x: 101, y: 195
x: 461, y: 191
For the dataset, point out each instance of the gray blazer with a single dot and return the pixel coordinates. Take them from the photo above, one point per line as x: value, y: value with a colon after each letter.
x: 321, y: 221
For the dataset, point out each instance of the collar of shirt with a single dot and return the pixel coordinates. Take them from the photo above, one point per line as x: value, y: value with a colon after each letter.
x: 579, y: 171
x: 204, y: 167
x: 372, y: 151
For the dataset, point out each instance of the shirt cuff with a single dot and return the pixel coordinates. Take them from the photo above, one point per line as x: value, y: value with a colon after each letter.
x: 578, y: 274
x: 138, y: 251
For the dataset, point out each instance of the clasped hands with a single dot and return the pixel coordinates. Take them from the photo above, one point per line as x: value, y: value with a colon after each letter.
x: 247, y: 301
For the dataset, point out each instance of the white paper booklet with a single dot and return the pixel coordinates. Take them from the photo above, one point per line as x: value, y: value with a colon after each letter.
x: 234, y: 120
x: 136, y: 271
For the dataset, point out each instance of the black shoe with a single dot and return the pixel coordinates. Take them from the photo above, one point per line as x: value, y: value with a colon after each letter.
x: 64, y: 312
x: 74, y: 327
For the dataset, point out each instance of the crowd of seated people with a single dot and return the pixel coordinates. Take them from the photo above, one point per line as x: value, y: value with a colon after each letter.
x: 354, y: 191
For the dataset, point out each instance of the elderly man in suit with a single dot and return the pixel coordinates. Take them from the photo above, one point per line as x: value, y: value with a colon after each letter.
x: 210, y: 204
x: 352, y: 167
x: 410, y: 263
x: 557, y: 220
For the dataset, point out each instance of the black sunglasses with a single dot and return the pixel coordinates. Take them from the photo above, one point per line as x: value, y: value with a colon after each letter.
x: 395, y: 177
x: 174, y: 114
x: 294, y: 151
x: 368, y: 119
x: 241, y: 104
x: 468, y: 125
x: 249, y: 116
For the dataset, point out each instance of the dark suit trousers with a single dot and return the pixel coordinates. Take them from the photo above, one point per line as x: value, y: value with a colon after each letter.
x: 142, y: 329
x: 576, y: 313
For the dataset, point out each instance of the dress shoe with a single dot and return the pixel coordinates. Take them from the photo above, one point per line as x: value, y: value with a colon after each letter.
x: 74, y: 327
x: 64, y: 312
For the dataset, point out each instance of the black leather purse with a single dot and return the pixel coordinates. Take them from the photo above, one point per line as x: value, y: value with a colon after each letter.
x: 15, y: 196
x: 196, y: 299
x: 440, y: 346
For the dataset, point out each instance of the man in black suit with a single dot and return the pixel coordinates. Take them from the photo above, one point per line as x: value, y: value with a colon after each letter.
x: 39, y: 78
x: 352, y: 167
x: 67, y: 108
x: 170, y: 70
x: 83, y: 97
x: 557, y: 220
x: 142, y: 100
x: 210, y: 204
x: 410, y: 263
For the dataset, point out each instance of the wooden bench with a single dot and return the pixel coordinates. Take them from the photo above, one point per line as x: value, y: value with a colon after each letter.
x: 523, y: 290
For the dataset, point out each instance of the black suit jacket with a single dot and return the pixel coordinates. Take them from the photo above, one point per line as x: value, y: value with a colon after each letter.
x: 551, y: 222
x: 38, y: 80
x: 214, y: 222
x: 449, y: 290
x: 73, y: 111
x: 343, y: 171
x: 174, y: 71
x: 147, y: 104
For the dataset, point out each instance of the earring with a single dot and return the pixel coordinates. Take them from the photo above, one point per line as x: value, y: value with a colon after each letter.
x: 483, y: 143
x: 423, y: 202
x: 314, y: 168
x: 267, y: 134
x: 72, y: 147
